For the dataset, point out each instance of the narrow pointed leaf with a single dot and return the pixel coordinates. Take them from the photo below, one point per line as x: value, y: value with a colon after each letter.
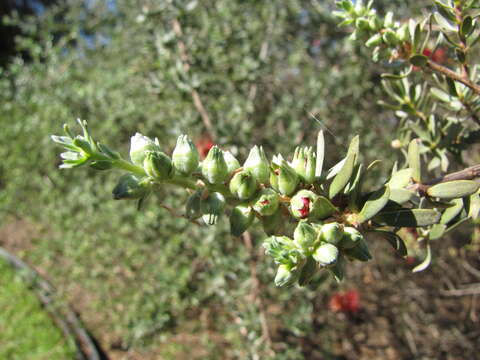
x: 307, y: 272
x: 401, y: 196
x: 343, y: 176
x: 320, y: 153
x: 396, y: 241
x: 375, y: 203
x: 414, y: 159
x: 451, y: 213
x: 425, y: 263
x: 453, y: 189
x: 409, y: 217
x: 401, y: 178
x: 322, y: 208
x: 437, y: 231
x: 474, y: 206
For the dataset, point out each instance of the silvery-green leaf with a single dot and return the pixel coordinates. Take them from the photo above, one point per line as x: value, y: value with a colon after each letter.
x: 437, y: 231
x: 375, y: 203
x: 453, y: 189
x: 409, y: 217
x: 401, y: 196
x: 450, y: 213
x: 320, y: 153
x: 414, y: 159
x: 474, y: 206
x: 401, y: 178
x: 425, y: 263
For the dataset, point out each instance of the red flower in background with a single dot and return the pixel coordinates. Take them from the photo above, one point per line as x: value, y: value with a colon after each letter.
x: 348, y: 302
x: 439, y: 56
x: 204, y: 144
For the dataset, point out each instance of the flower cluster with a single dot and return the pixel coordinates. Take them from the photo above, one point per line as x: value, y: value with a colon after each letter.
x: 315, y: 220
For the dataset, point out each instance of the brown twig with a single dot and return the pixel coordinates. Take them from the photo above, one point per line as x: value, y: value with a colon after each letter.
x: 174, y: 214
x: 256, y: 290
x: 453, y: 75
x: 186, y: 66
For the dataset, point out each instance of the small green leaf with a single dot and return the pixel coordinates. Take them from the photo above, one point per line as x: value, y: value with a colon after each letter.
x: 453, y: 189
x: 425, y: 263
x: 408, y: 217
x: 401, y: 179
x: 450, y: 213
x: 401, y: 196
x: 474, y: 205
x: 343, y: 176
x: 418, y: 60
x: 444, y: 24
x: 437, y: 231
x: 396, y: 241
x: 320, y: 153
x: 375, y: 203
x: 322, y: 208
x: 308, y: 270
x: 467, y: 26
x: 414, y: 159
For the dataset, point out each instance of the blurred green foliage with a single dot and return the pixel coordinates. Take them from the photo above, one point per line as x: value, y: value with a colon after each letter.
x: 260, y: 69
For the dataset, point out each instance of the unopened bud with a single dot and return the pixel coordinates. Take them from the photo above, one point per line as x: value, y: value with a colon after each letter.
x: 301, y: 203
x: 374, y: 23
x: 212, y: 207
x: 390, y: 37
x: 214, y: 167
x: 285, y: 179
x: 388, y: 21
x: 351, y: 237
x: 231, y: 161
x: 331, y: 233
x: 304, y: 162
x: 139, y: 146
x: 240, y: 219
x: 158, y: 165
x: 326, y: 254
x: 267, y: 202
x: 243, y: 185
x: 185, y: 156
x: 257, y: 164
x: 130, y: 187
x: 274, y: 224
x: 403, y: 34
x: 373, y: 41
x: 285, y: 276
x: 304, y: 236
x: 362, y: 23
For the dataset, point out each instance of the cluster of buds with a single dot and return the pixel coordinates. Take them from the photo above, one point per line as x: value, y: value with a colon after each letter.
x: 313, y: 221
x: 315, y: 246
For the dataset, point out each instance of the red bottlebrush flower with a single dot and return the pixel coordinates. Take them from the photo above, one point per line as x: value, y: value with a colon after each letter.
x: 204, y: 144
x: 348, y: 302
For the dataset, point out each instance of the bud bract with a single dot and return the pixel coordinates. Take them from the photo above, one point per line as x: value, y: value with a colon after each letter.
x: 403, y: 33
x: 285, y: 276
x: 193, y: 208
x: 240, y: 219
x: 212, y: 207
x: 301, y: 203
x: 326, y: 254
x: 185, y: 156
x: 351, y: 237
x: 267, y: 202
x: 214, y: 167
x: 304, y: 162
x: 285, y: 179
x: 304, y: 236
x: 257, y: 164
x: 158, y: 165
x: 331, y: 233
x: 243, y: 185
x: 359, y: 251
x: 231, y: 161
x: 130, y: 187
x: 139, y: 146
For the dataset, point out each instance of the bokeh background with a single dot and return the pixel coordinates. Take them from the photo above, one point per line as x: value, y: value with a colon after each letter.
x: 150, y: 286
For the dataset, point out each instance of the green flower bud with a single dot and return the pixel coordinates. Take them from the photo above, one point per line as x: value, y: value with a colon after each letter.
x: 130, y: 187
x: 243, y: 185
x: 373, y: 41
x: 362, y: 23
x: 374, y: 23
x: 193, y: 208
x: 158, y: 165
x: 267, y: 202
x: 351, y: 237
x: 240, y: 219
x: 301, y: 203
x: 304, y: 162
x: 257, y: 164
x: 331, y: 233
x: 274, y: 224
x: 185, y: 156
x: 388, y: 21
x: 214, y: 167
x: 285, y: 179
x: 390, y: 37
x: 304, y: 237
x: 285, y: 276
x: 231, y: 161
x: 139, y: 146
x: 212, y: 207
x: 326, y: 254
x: 403, y: 34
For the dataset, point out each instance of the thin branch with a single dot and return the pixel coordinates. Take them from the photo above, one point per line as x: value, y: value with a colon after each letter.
x: 186, y: 66
x: 453, y: 75
x: 174, y: 214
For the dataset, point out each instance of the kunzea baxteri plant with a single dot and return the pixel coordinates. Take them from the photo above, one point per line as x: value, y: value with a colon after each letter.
x: 314, y: 220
